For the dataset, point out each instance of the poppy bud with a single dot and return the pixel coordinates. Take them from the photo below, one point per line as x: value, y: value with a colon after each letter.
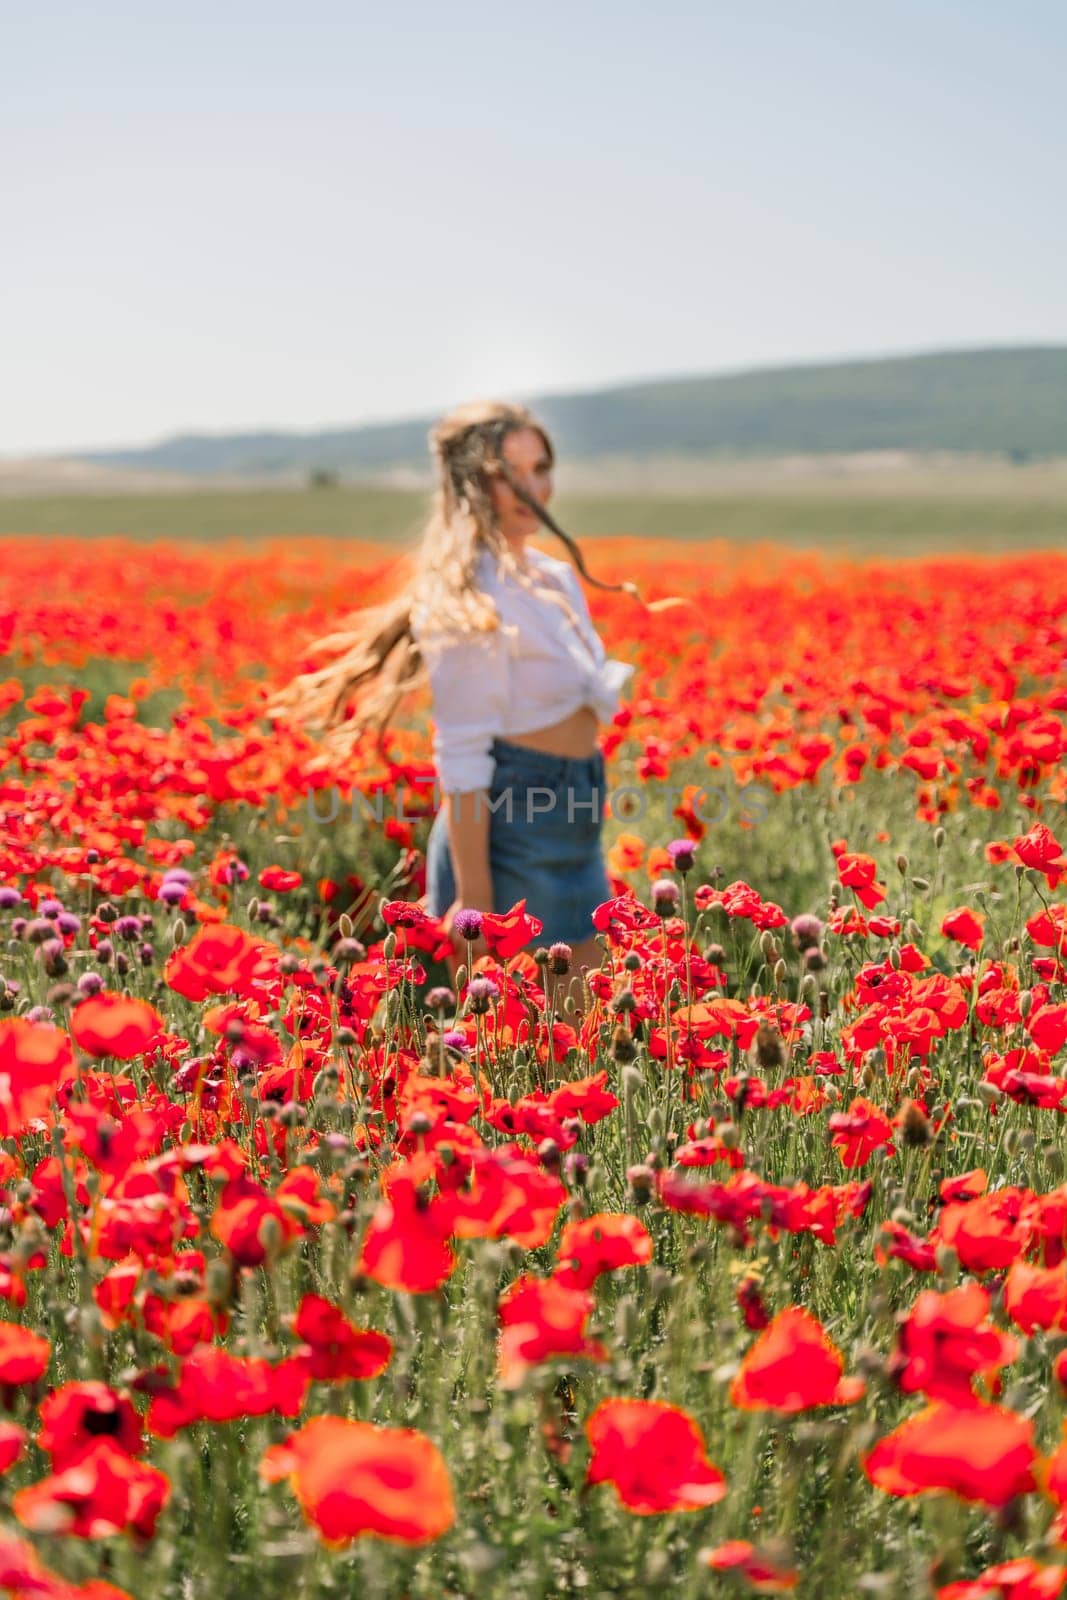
x: 642, y: 1181
x: 548, y: 1153
x: 576, y: 1167
x: 665, y: 897
x: 1026, y: 1001
x: 218, y: 1282
x: 389, y: 946
x: 922, y: 884
x: 780, y: 973
x: 623, y: 1049
x: 939, y: 838
x: 916, y: 1128
x: 345, y: 925
x: 632, y: 961
x: 559, y: 959
x: 716, y: 955
x: 902, y: 864
x: 347, y: 952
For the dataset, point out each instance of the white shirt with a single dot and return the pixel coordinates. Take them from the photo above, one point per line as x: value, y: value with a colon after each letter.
x: 532, y: 671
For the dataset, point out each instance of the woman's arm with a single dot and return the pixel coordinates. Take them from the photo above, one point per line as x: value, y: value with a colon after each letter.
x: 468, y: 842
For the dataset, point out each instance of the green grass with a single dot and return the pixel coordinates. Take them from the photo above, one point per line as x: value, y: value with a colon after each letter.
x: 849, y: 521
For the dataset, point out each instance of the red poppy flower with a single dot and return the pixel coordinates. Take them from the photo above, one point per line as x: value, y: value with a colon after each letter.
x: 991, y: 1231
x: 353, y: 1478
x: 279, y: 880
x: 761, y: 1572
x: 541, y: 1318
x: 406, y: 1245
x: 966, y: 1186
x: 946, y: 1341
x: 654, y: 1456
x: 35, y: 1058
x: 793, y: 1365
x: 76, y: 1415
x: 1009, y: 1580
x: 110, y: 1024
x: 415, y: 928
x: 104, y: 1491
x: 214, y: 1386
x: 509, y: 1193
x: 24, y: 1576
x: 1040, y: 849
x: 1036, y: 1297
x: 219, y: 959
x: 12, y: 1440
x: 982, y: 1453
x: 588, y: 1098
x: 860, y: 1131
x: 24, y: 1356
x: 601, y: 1243
x: 859, y: 872
x: 336, y: 1348
x: 508, y: 932
x: 965, y: 926
x: 250, y: 1222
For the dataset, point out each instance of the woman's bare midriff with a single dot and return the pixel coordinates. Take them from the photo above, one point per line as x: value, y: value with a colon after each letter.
x: 574, y: 736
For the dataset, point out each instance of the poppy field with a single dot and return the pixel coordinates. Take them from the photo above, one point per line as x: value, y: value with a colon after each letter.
x: 323, y: 1277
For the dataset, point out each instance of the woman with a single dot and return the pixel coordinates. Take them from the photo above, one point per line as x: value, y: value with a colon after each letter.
x: 519, y: 681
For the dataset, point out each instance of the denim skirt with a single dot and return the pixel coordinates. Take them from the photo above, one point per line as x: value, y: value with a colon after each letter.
x: 545, y: 819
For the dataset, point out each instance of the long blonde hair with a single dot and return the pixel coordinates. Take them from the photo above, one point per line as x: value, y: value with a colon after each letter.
x: 378, y: 649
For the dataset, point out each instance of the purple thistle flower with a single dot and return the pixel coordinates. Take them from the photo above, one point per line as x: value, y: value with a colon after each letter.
x: 172, y: 892
x: 454, y: 1040
x: 9, y: 898
x: 68, y: 922
x: 481, y: 992
x: 128, y: 927
x: 233, y: 871
x: 50, y: 908
x: 682, y: 853
x: 468, y: 923
x: 665, y: 897
x: 559, y: 958
x: 89, y: 983
x: 177, y: 875
x: 40, y: 1014
x: 807, y: 930
x: 440, y: 998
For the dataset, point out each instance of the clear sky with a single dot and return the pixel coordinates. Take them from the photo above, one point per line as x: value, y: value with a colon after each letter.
x: 231, y: 215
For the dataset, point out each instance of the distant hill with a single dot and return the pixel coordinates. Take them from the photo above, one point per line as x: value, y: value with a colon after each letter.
x: 1004, y: 401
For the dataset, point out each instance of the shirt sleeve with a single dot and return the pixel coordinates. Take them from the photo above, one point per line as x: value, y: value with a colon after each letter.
x: 612, y: 673
x: 469, y: 681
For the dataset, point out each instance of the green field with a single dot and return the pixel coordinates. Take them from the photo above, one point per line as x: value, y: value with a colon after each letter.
x: 910, y: 519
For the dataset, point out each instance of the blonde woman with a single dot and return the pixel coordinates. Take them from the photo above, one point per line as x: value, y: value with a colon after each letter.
x: 520, y: 684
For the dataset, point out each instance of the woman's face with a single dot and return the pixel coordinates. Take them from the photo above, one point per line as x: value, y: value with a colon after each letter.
x: 524, y: 451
